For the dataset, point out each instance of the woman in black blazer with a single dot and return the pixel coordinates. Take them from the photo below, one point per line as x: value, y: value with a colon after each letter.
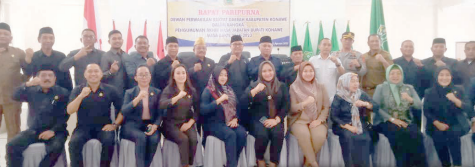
x: 182, y: 103
x: 444, y: 108
x: 348, y: 115
x: 268, y: 101
x: 220, y: 111
x: 142, y: 117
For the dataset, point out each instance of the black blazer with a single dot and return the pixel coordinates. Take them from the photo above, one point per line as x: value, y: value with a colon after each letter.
x: 133, y: 115
x: 452, y: 115
x: 183, y: 110
x: 340, y: 111
x: 258, y: 106
x: 199, y: 79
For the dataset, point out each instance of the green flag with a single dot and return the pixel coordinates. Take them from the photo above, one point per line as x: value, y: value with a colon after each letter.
x: 348, y: 26
x: 348, y: 29
x: 335, y: 44
x: 377, y: 25
x: 307, y: 46
x: 320, y: 37
x: 294, y: 41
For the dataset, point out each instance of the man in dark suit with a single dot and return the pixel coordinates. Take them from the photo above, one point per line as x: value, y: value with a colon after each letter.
x: 162, y: 69
x: 47, y: 104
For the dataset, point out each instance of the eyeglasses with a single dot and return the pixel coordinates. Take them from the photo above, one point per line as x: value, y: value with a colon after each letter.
x: 143, y: 76
x: 88, y: 37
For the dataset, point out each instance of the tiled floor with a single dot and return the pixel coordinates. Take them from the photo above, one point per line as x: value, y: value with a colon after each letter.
x: 3, y: 133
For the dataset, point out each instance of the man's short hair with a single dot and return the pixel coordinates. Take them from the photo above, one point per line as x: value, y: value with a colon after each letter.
x: 405, y: 42
x: 114, y: 32
x: 374, y: 35
x: 468, y: 43
x: 141, y: 36
x: 88, y: 29
x: 324, y: 39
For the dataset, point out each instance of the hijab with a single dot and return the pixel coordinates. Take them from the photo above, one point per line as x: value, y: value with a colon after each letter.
x: 343, y: 90
x: 272, y: 87
x: 438, y: 93
x: 395, y: 87
x: 303, y: 89
x: 216, y: 89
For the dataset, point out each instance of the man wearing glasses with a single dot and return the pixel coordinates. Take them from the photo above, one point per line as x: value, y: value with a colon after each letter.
x: 80, y: 58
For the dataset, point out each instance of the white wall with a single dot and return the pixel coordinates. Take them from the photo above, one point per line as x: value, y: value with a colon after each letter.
x: 418, y: 20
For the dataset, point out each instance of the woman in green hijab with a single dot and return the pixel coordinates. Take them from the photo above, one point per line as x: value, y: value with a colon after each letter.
x: 395, y: 120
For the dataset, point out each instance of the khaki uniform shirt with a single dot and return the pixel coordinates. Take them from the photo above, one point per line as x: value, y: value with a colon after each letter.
x: 12, y: 60
x: 376, y: 73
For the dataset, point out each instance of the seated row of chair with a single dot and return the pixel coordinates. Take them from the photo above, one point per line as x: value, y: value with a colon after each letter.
x: 214, y: 154
x: 266, y: 87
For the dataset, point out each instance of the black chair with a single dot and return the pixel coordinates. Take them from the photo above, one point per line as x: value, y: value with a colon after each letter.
x: 186, y: 55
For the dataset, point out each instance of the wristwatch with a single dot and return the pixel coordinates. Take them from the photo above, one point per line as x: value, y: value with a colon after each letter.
x: 391, y: 119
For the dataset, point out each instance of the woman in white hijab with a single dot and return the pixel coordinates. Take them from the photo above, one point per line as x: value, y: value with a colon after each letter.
x: 348, y: 113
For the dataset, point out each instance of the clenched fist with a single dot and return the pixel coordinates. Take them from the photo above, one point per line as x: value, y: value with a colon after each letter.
x: 85, y: 92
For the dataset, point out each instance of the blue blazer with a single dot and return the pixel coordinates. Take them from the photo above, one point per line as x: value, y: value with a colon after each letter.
x: 133, y: 115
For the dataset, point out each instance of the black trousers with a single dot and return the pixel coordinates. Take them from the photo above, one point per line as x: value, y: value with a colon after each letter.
x: 82, y: 135
x: 407, y: 144
x: 234, y: 140
x: 265, y: 135
x: 355, y: 148
x: 445, y: 141
x: 145, y: 146
x: 15, y: 148
x: 187, y: 141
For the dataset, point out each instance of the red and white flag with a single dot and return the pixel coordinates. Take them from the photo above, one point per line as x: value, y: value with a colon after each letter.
x: 145, y: 29
x: 130, y: 41
x: 91, y: 20
x: 160, y: 48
